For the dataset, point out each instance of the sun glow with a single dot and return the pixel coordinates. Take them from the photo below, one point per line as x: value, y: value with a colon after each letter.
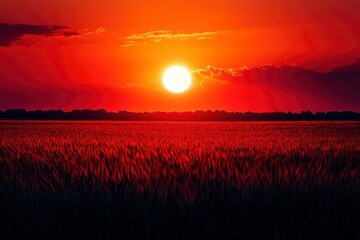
x: 177, y: 79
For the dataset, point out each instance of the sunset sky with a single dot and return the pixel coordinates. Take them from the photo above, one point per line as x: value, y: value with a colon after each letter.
x: 262, y: 55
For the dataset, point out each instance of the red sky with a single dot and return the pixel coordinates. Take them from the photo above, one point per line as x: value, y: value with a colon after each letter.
x: 244, y: 55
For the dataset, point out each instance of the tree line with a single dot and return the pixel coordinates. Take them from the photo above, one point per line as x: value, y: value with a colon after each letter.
x: 101, y: 114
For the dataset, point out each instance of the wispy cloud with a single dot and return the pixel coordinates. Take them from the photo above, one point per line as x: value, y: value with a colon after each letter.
x: 87, y: 32
x: 219, y: 75
x: 160, y: 35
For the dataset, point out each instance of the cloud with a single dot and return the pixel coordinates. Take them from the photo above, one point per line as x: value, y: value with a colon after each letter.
x: 338, y: 87
x: 276, y: 74
x: 219, y: 75
x: 87, y: 32
x: 157, y: 36
x: 11, y: 34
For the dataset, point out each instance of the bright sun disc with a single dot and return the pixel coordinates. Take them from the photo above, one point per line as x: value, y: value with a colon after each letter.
x: 177, y: 79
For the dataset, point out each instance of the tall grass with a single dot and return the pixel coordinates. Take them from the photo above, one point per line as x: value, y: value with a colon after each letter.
x: 154, y: 180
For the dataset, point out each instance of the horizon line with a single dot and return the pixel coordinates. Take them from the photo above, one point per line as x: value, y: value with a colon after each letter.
x: 186, y: 111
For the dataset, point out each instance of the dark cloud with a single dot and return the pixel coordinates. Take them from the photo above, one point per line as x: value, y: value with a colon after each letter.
x: 338, y: 87
x: 11, y: 33
x: 349, y: 72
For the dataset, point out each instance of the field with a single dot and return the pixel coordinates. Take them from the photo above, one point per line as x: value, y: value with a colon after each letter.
x: 173, y: 180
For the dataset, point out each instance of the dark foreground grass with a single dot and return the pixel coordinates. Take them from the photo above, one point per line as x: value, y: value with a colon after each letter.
x: 114, y: 180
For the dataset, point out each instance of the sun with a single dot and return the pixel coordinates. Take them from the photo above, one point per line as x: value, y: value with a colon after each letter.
x: 177, y: 79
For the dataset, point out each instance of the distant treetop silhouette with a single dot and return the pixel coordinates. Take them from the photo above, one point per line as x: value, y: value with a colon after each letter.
x: 101, y: 114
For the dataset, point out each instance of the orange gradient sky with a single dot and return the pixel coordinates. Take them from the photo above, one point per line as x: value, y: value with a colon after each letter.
x: 244, y: 55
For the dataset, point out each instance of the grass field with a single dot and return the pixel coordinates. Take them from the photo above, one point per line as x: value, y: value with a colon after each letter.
x: 172, y: 180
